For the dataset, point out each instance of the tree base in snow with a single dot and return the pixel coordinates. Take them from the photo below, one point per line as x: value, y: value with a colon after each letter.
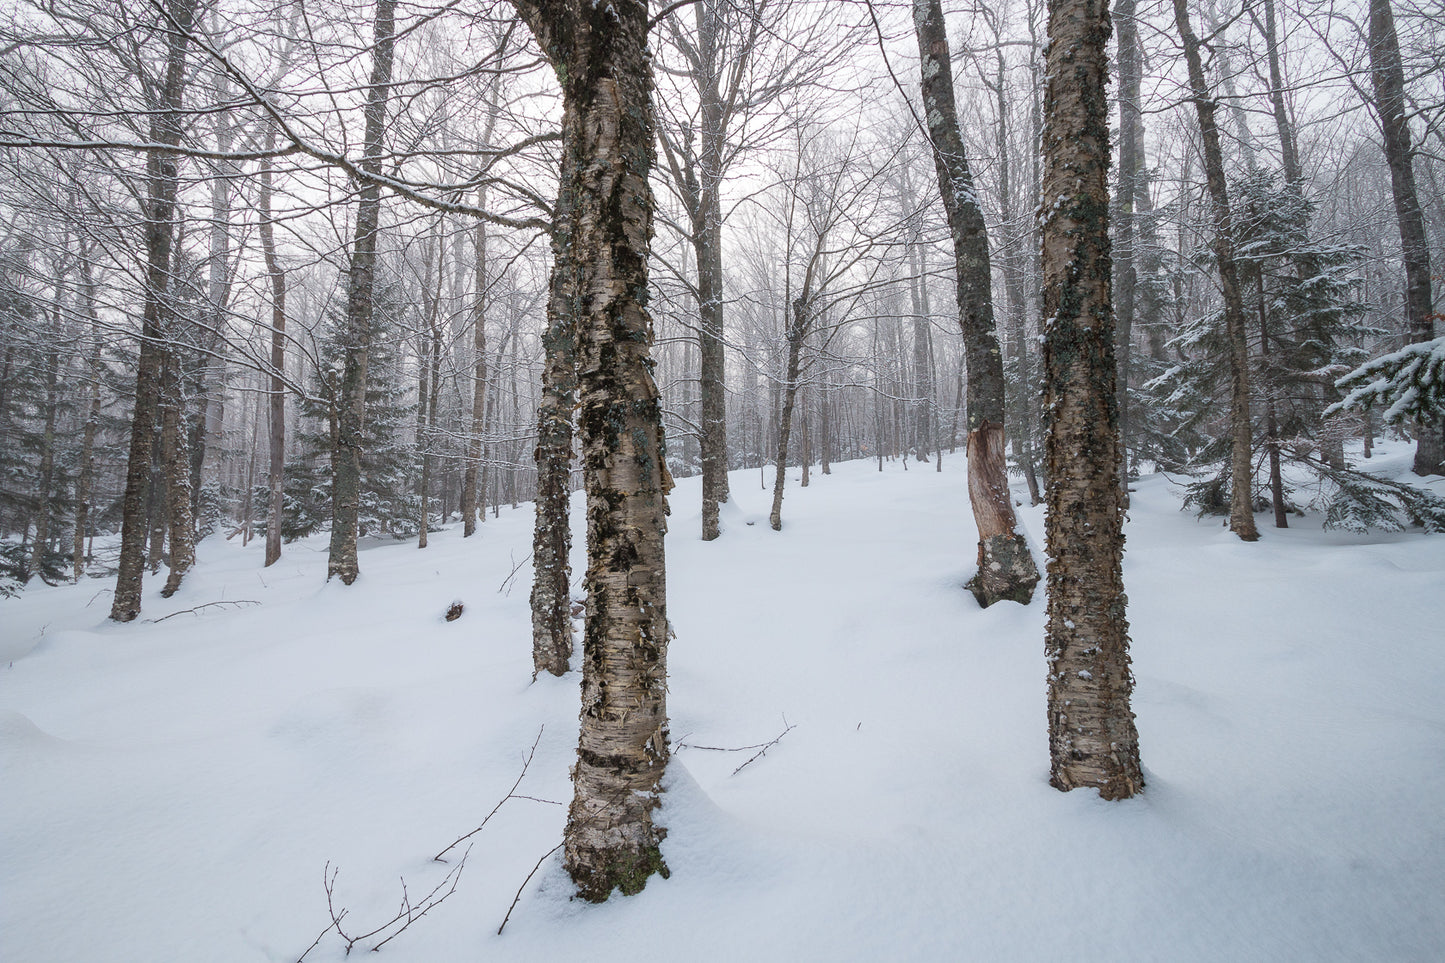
x: 1006, y: 571
x: 597, y: 872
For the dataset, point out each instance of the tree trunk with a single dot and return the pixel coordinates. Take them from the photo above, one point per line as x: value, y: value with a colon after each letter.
x: 1241, y: 512
x: 1126, y: 189
x: 1092, y: 739
x: 45, y: 509
x: 175, y: 459
x: 600, y: 55
x: 1271, y: 421
x: 160, y: 213
x: 1388, y: 78
x: 356, y: 333
x: 471, y: 477
x: 552, y: 535
x: 277, y: 277
x: 1006, y: 568
x: 85, y: 484
x: 797, y: 331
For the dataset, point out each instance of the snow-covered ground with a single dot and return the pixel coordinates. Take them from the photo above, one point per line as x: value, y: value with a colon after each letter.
x: 174, y: 791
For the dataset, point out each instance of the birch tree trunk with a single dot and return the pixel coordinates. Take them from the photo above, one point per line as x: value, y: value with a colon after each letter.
x: 601, y: 59
x: 1092, y: 739
x: 159, y: 210
x: 1241, y: 511
x: 356, y: 334
x: 1006, y: 569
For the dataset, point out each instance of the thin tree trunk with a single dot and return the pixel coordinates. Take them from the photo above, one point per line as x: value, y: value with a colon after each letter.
x: 85, y: 484
x: 1388, y: 77
x: 160, y: 214
x: 797, y: 331
x: 1006, y: 568
x: 1126, y: 189
x: 357, y: 324
x: 471, y: 478
x: 602, y: 62
x: 1092, y: 738
x: 552, y: 535
x: 1271, y: 421
x: 1241, y: 512
x: 45, y: 509
x: 177, y: 464
x: 277, y: 276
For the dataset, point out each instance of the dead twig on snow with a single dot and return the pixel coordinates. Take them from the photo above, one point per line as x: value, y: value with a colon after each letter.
x: 206, y: 605
x: 761, y: 747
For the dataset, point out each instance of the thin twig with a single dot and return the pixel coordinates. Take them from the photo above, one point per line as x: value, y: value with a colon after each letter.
x: 510, y: 795
x: 524, y: 885
x: 206, y: 605
x: 762, y: 747
x: 763, y: 751
x: 505, y: 587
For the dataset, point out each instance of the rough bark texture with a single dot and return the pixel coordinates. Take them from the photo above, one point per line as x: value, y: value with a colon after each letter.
x: 600, y: 55
x: 1092, y: 739
x: 1388, y: 77
x: 356, y: 325
x: 552, y: 534
x: 1241, y: 486
x: 1014, y: 574
x: 159, y: 212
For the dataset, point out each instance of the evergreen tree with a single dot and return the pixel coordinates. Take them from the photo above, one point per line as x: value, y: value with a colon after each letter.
x: 388, y: 503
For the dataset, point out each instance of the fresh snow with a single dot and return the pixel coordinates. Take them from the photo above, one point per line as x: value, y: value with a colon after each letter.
x: 173, y: 791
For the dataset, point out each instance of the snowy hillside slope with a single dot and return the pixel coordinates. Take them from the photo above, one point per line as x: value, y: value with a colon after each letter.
x: 174, y: 790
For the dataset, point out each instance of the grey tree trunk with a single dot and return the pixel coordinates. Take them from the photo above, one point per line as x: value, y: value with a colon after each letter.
x: 797, y: 331
x: 1241, y: 513
x: 357, y: 323
x: 552, y: 534
x: 160, y: 214
x: 45, y: 509
x: 1092, y: 739
x: 277, y: 436
x: 600, y: 56
x: 1006, y: 568
x: 175, y: 459
x: 1388, y: 78
x: 471, y: 477
x: 1126, y: 189
x: 85, y: 484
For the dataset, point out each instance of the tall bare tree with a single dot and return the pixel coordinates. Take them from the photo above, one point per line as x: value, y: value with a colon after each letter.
x: 1241, y: 485
x: 1092, y: 739
x: 162, y: 168
x: 1006, y: 568
x: 357, y: 322
x: 600, y: 55
x: 1387, y: 76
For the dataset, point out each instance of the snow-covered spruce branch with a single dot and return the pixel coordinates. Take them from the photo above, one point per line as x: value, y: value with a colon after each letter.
x: 1409, y: 384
